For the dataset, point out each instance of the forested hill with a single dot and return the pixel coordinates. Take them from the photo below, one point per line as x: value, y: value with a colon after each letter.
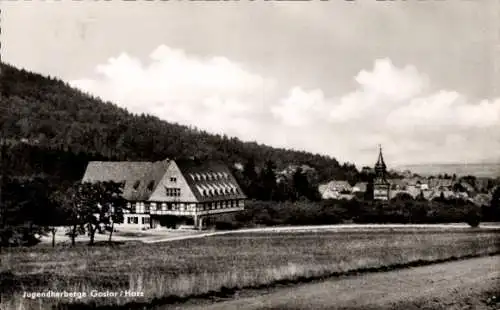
x: 59, y: 123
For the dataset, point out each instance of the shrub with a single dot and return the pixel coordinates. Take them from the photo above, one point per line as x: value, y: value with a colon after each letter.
x: 473, y: 218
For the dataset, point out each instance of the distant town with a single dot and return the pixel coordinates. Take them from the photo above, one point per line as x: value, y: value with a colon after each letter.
x: 478, y: 190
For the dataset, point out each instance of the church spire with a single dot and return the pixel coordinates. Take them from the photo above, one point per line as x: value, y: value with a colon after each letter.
x: 380, y: 162
x: 381, y: 186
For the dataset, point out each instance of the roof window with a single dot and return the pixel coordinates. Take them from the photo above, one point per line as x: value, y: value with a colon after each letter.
x: 136, y: 185
x: 151, y: 185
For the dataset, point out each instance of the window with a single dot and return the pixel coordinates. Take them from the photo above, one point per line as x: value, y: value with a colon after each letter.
x: 136, y: 185
x: 232, y: 203
x: 175, y: 192
x: 151, y: 185
x: 136, y: 220
x: 145, y: 220
x: 146, y: 208
x: 129, y: 220
x: 173, y: 179
x: 200, y: 190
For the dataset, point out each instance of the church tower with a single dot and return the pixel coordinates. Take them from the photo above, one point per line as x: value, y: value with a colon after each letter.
x: 381, y: 186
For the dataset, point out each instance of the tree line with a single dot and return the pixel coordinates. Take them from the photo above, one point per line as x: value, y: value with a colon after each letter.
x: 402, y: 209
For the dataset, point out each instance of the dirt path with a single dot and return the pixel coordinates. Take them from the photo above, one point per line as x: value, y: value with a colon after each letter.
x: 453, y: 285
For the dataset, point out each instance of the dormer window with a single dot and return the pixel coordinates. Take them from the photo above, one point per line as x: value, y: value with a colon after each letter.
x: 136, y: 185
x: 151, y: 185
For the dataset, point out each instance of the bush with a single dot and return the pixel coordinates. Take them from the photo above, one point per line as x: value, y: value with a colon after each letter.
x: 473, y: 218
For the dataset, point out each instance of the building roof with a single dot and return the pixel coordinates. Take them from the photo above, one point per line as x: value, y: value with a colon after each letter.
x: 139, y: 178
x: 398, y: 182
x: 339, y: 185
x: 361, y: 186
x: 322, y: 188
x: 210, y: 180
x: 435, y: 182
x: 482, y: 199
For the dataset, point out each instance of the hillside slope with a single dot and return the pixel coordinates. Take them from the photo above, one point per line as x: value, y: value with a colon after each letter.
x: 487, y: 170
x: 48, y: 113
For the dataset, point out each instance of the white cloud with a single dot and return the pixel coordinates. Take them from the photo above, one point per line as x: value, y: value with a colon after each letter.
x: 390, y: 105
x: 395, y: 107
x: 300, y: 107
x: 214, y: 93
x: 390, y: 82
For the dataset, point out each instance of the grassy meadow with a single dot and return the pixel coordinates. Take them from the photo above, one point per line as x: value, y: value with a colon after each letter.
x: 203, y: 266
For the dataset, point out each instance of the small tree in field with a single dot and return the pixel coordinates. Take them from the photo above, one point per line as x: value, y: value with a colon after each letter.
x: 104, y: 206
x: 111, y: 205
x: 88, y: 206
x: 74, y: 202
x: 473, y: 218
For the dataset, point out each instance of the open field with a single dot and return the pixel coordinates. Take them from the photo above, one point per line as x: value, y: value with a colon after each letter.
x: 165, y: 235
x: 193, y: 267
x: 465, y: 284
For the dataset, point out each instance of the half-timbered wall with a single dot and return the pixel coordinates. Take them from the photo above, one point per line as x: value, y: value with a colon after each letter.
x: 173, y: 187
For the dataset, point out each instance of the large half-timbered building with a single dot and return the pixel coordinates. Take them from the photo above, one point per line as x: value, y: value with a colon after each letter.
x: 168, y: 189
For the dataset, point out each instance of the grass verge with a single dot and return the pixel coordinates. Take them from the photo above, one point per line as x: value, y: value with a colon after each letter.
x: 220, y: 266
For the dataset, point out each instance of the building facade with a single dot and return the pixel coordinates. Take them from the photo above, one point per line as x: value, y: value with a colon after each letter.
x: 159, y: 192
x: 381, y: 187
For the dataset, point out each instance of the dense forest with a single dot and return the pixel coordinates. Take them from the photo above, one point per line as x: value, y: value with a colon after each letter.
x: 62, y: 128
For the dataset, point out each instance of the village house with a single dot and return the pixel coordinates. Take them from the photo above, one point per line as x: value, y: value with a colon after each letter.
x: 336, y: 190
x: 360, y: 187
x: 162, y: 192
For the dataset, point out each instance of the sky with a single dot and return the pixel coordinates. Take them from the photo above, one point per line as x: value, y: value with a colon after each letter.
x: 421, y: 78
